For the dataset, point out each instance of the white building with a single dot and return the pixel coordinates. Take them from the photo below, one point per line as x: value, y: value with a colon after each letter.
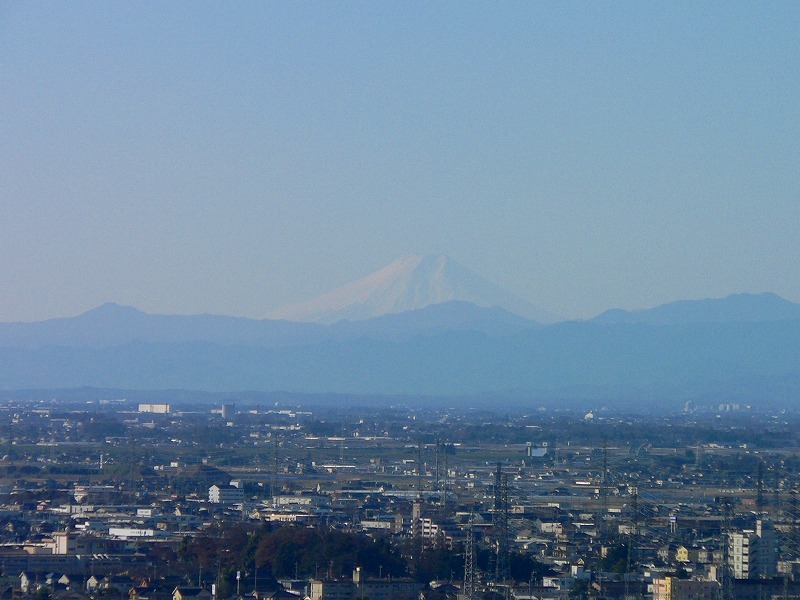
x: 753, y: 554
x: 131, y: 532
x: 161, y: 409
x: 225, y: 494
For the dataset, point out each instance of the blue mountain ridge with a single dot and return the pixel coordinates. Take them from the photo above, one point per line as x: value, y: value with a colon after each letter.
x: 734, y: 308
x: 443, y: 350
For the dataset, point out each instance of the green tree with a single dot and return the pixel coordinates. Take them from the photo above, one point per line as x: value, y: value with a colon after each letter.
x: 616, y: 559
x: 580, y: 588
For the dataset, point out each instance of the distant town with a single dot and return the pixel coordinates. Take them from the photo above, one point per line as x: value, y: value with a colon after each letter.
x: 113, y: 498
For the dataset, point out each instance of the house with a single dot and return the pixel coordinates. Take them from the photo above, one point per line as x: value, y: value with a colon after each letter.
x: 92, y: 583
x: 280, y: 594
x: 119, y: 583
x: 139, y: 592
x: 67, y: 595
x: 155, y: 589
x: 70, y: 581
x: 441, y: 591
x: 31, y: 581
x: 190, y: 593
x: 267, y: 589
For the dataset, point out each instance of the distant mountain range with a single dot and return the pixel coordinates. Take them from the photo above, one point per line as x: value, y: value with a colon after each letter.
x: 114, y: 325
x: 409, y: 283
x: 738, y: 308
x: 743, y: 347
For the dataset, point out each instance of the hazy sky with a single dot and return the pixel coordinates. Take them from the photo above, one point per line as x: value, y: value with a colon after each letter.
x: 230, y: 157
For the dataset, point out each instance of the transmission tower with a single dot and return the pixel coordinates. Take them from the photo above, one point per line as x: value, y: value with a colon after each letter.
x: 760, y: 488
x: 601, y: 524
x: 790, y: 518
x: 792, y: 514
x: 273, y: 484
x: 468, y: 591
x: 500, y: 523
x: 419, y: 469
x: 726, y: 575
x: 698, y: 457
x: 436, y: 470
x: 444, y: 486
x: 10, y: 442
x: 632, y: 543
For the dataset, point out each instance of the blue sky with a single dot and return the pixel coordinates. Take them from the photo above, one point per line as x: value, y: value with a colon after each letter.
x: 232, y: 157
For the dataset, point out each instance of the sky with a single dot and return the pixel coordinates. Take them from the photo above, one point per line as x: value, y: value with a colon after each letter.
x: 229, y: 158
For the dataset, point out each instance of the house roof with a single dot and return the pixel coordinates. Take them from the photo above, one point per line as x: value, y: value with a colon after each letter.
x: 188, y: 592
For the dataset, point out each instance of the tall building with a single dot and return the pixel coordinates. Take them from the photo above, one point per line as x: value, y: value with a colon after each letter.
x: 753, y: 553
x: 767, y: 548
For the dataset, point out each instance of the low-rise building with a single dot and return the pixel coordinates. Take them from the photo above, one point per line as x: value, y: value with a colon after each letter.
x: 361, y: 587
x: 225, y: 494
x: 673, y: 588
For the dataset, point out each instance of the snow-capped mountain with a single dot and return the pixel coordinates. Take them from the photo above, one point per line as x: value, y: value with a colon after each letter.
x: 409, y: 283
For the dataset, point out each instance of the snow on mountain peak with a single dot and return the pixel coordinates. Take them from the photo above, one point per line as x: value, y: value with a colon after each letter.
x: 409, y: 283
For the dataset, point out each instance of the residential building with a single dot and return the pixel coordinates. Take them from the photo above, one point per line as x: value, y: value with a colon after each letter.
x: 361, y: 587
x: 673, y: 588
x: 752, y: 553
x: 225, y: 494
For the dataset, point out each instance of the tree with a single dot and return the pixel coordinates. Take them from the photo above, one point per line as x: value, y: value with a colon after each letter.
x: 302, y: 550
x: 616, y: 559
x: 580, y: 589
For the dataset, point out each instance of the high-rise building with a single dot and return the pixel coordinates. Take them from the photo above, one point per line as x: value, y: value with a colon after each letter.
x: 752, y: 553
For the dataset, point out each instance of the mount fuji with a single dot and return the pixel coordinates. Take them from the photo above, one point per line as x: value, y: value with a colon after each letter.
x: 409, y: 283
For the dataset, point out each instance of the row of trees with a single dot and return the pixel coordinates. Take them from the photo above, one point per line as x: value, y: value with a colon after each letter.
x: 262, y: 554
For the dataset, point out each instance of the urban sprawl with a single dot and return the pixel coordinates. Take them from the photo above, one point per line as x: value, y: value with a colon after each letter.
x: 116, y: 498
